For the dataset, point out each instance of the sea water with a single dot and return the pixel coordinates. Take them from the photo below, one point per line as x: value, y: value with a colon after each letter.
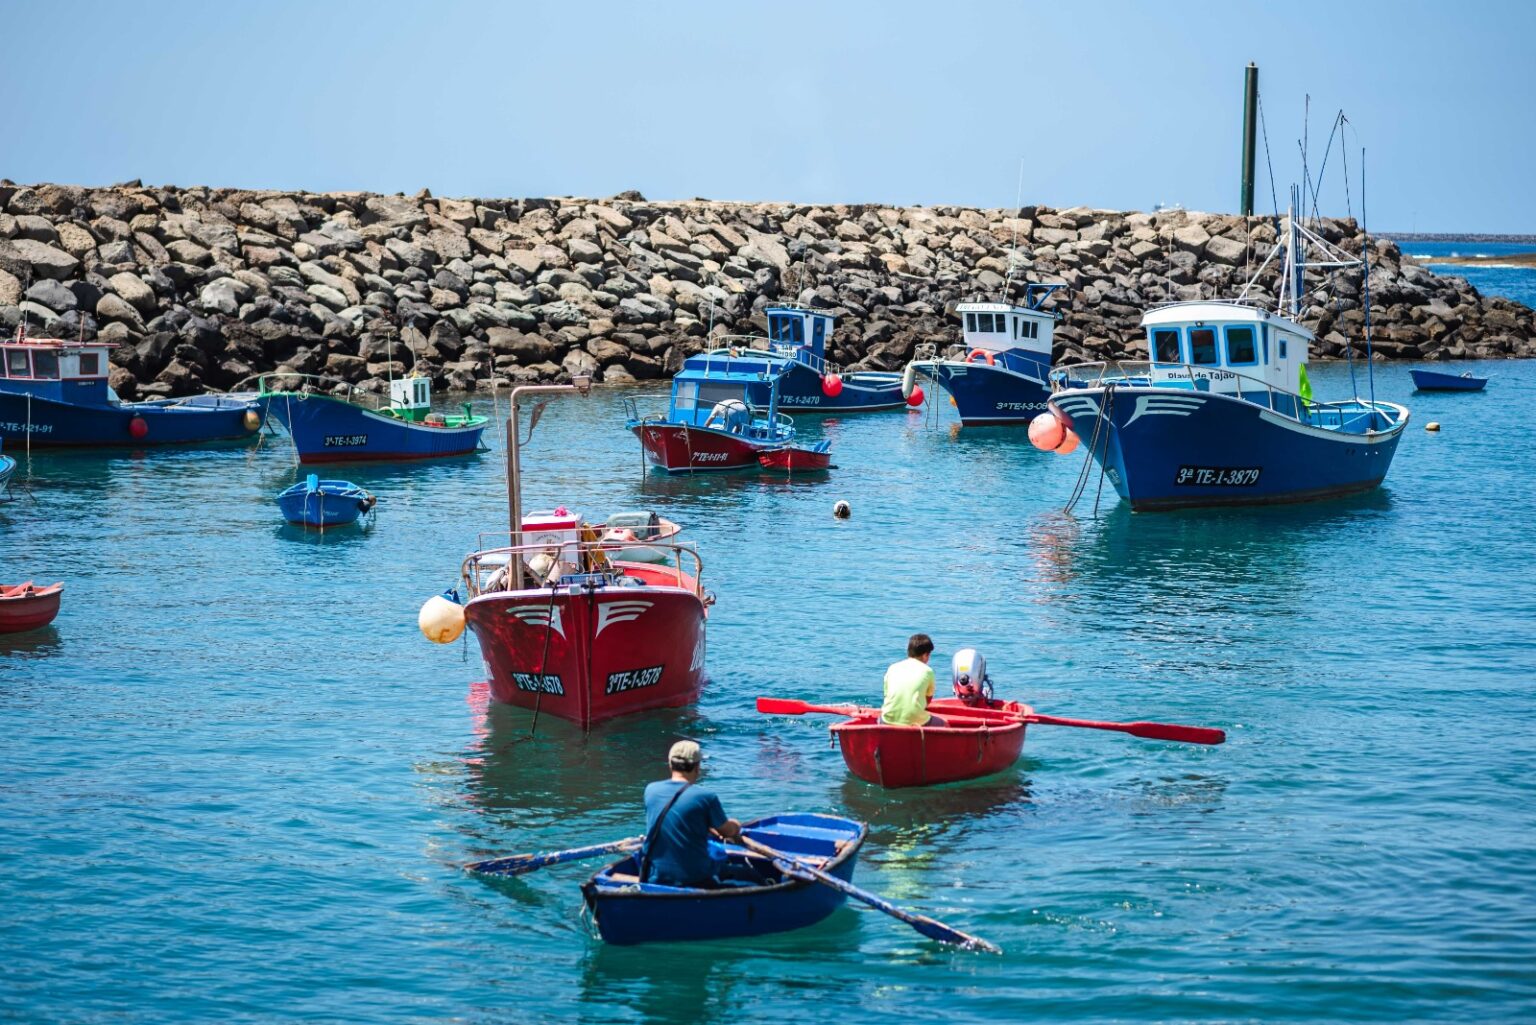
x: 237, y: 784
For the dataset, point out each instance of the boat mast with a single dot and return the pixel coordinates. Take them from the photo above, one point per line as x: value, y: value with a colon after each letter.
x: 581, y: 385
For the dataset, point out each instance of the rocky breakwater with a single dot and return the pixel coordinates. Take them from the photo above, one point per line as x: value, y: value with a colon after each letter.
x: 201, y: 287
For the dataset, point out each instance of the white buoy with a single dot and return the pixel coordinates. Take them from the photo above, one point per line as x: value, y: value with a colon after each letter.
x: 842, y: 510
x: 908, y: 381
x: 1433, y: 425
x: 441, y: 620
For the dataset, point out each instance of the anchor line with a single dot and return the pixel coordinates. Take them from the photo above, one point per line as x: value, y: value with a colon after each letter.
x: 1105, y: 454
x: 1106, y: 408
x: 549, y: 629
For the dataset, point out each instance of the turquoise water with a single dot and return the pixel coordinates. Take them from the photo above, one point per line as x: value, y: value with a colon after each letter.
x: 237, y: 782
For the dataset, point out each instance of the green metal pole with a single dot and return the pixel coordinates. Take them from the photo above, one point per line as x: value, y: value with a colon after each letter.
x: 1250, y: 119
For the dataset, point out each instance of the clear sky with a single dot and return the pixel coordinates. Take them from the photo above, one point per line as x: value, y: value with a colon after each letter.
x: 1112, y: 104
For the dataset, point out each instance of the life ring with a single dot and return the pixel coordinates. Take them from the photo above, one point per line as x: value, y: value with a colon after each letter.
x: 970, y: 357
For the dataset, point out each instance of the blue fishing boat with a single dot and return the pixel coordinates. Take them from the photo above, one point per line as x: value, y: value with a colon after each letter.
x: 999, y: 373
x: 1434, y: 380
x: 794, y: 354
x: 7, y: 467
x: 723, y: 414
x: 1223, y: 413
x: 328, y: 428
x: 54, y: 393
x: 324, y: 503
x: 754, y: 898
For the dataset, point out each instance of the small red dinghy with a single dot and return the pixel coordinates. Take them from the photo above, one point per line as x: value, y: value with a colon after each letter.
x: 975, y: 741
x: 25, y: 607
x: 794, y: 457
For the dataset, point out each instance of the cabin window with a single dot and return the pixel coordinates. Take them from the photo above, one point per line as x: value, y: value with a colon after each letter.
x: 1017, y: 324
x: 16, y: 363
x: 45, y: 366
x: 819, y: 335
x: 1034, y: 329
x: 1165, y: 345
x: 790, y: 330
x: 1202, y: 346
x: 970, y: 322
x: 1241, y: 349
x: 90, y: 364
x: 1282, y: 346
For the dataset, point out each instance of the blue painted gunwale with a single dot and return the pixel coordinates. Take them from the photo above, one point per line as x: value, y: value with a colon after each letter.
x: 629, y: 912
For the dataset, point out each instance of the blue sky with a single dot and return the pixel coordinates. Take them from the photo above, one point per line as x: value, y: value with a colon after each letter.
x: 1112, y: 104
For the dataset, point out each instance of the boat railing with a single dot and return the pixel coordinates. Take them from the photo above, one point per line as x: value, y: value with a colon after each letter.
x: 349, y: 391
x: 488, y: 568
x: 759, y: 343
x: 632, y: 414
x: 1344, y: 415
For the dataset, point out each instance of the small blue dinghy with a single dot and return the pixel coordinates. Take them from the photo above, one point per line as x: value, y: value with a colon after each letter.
x: 1433, y: 380
x: 754, y: 898
x: 324, y: 503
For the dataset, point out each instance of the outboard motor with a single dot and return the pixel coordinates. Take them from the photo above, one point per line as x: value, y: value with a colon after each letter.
x: 969, y: 674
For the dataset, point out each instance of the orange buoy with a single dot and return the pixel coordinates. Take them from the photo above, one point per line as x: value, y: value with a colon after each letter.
x: 1046, y: 431
x: 1068, y: 443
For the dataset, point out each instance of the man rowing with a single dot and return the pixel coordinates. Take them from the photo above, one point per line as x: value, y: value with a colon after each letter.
x: 909, y: 687
x: 681, y: 819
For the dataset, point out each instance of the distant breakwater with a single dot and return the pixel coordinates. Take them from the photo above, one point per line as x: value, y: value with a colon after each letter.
x: 203, y: 287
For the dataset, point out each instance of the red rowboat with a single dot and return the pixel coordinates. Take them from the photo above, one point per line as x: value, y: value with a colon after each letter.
x: 794, y: 457
x: 566, y: 628
x: 25, y: 607
x: 977, y: 741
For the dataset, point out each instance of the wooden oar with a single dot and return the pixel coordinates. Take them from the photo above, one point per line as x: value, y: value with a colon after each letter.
x: 929, y: 927
x: 522, y: 864
x: 1149, y: 730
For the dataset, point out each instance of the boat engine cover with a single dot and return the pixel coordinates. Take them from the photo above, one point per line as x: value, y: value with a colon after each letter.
x: 969, y: 676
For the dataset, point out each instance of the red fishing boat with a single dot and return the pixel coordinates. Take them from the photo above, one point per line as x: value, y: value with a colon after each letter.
x: 567, y: 627
x: 27, y: 607
x: 980, y: 735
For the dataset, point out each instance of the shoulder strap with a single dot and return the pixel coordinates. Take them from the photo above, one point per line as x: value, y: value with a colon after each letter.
x: 645, y: 848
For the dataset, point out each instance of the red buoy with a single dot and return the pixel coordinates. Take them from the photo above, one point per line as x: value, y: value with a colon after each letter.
x: 832, y: 386
x: 138, y: 427
x: 1046, y: 431
x: 1068, y: 444
x: 916, y: 398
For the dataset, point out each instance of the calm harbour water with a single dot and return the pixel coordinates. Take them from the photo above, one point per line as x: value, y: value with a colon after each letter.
x: 237, y: 782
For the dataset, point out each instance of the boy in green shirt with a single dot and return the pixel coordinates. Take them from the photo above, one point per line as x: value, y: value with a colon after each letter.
x: 909, y: 687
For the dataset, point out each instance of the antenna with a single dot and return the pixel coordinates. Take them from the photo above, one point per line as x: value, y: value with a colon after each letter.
x: 1013, y: 256
x: 1365, y: 254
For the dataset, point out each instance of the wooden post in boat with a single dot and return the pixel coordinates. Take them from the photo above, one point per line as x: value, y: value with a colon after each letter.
x: 582, y: 385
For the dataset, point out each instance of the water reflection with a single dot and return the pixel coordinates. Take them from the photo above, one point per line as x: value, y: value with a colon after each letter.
x: 33, y: 644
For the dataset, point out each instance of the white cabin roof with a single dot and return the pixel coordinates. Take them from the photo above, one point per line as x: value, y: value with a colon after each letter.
x: 1001, y: 308
x: 1221, y: 312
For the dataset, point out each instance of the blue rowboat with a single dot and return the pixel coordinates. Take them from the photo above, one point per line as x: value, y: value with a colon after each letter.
x: 1433, y: 380
x: 7, y: 467
x: 324, y: 503
x: 328, y: 429
x: 755, y: 899
x: 54, y: 393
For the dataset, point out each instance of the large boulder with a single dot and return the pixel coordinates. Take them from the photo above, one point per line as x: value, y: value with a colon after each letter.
x: 132, y: 288
x: 53, y: 295
x: 46, y: 261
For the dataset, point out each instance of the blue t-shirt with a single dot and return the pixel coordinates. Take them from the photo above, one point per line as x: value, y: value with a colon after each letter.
x: 679, y: 854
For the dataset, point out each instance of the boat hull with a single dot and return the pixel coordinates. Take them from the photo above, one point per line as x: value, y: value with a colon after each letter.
x: 592, y: 655
x: 800, y: 390
x: 628, y: 912
x: 1433, y: 380
x: 330, y: 430
x: 49, y: 423
x: 979, y: 742
x: 794, y: 459
x: 987, y: 395
x: 1171, y: 448
x: 677, y: 448
x: 7, y: 467
x: 323, y: 508
x: 21, y: 610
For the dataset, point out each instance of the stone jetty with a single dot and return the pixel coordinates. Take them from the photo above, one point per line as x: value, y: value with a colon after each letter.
x: 201, y: 288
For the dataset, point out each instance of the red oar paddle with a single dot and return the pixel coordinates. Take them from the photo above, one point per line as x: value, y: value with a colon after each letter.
x: 789, y: 706
x: 1148, y: 730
